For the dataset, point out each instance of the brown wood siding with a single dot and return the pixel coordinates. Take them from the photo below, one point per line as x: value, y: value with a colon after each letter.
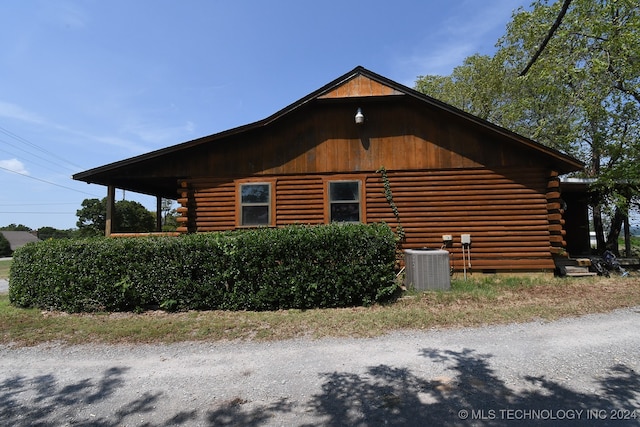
x: 395, y: 135
x: 185, y: 209
x: 210, y: 205
x: 299, y: 199
x: 556, y: 215
x: 322, y: 138
x: 508, y: 213
x: 360, y: 86
x: 207, y: 205
x: 508, y: 220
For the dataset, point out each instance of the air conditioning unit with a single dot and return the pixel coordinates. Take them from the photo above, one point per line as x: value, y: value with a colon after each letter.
x: 427, y: 269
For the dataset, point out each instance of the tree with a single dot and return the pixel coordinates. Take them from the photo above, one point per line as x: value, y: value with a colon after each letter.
x: 593, y: 61
x: 552, y: 30
x: 132, y: 217
x: 92, y: 217
x: 580, y: 95
x: 5, y: 247
x: 129, y: 216
x: 169, y: 216
x: 45, y: 233
x: 14, y: 227
x: 476, y: 86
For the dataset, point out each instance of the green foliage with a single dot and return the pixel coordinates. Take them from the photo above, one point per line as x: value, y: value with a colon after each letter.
x: 582, y: 94
x: 45, y: 233
x: 5, y: 246
x: 132, y: 217
x: 473, y: 86
x: 388, y: 194
x: 129, y: 216
x: 262, y: 269
x: 169, y: 215
x: 14, y: 227
x: 5, y: 265
x: 92, y: 217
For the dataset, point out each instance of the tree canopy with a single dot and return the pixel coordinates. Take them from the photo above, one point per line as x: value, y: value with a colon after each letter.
x: 15, y: 227
x: 129, y: 216
x: 579, y: 93
x: 5, y: 247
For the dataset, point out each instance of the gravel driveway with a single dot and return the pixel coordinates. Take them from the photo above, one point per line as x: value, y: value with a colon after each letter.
x: 583, y: 371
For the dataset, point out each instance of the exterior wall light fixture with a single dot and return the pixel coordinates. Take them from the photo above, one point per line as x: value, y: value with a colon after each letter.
x: 359, y: 117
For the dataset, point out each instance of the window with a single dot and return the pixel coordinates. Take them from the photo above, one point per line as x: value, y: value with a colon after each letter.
x: 344, y: 201
x: 255, y: 204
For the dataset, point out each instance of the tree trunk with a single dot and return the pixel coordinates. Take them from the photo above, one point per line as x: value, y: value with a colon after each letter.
x: 598, y: 228
x: 614, y: 231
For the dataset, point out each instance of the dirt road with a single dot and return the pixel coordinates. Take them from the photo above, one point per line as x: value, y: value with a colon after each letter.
x: 583, y: 371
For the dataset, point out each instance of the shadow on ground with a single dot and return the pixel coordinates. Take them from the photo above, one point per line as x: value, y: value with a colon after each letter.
x: 49, y: 403
x: 473, y: 392
x: 43, y: 401
x: 384, y: 395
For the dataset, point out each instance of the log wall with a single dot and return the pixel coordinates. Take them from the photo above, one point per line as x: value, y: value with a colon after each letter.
x: 207, y: 205
x: 514, y: 216
x: 509, y: 221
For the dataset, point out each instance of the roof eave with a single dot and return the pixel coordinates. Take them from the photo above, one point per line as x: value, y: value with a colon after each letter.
x: 565, y: 162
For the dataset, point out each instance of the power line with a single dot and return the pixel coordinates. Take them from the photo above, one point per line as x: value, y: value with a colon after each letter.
x: 36, y: 204
x: 39, y: 213
x: 37, y: 147
x: 31, y: 161
x: 48, y: 182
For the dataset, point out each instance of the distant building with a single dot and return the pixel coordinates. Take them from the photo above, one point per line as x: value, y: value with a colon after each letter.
x: 17, y: 239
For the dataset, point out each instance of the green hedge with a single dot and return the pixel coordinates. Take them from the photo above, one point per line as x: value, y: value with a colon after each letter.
x: 263, y: 269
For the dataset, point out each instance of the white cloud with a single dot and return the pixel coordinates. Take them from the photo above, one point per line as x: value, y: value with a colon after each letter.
x: 119, y: 142
x: 475, y: 29
x: 440, y: 61
x: 160, y: 135
x: 13, y: 111
x: 14, y: 165
x: 16, y: 112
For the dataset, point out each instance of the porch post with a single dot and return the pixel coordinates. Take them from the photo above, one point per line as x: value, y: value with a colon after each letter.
x: 111, y: 204
x: 158, y: 213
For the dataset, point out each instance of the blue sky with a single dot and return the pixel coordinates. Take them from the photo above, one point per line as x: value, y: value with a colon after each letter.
x: 84, y: 83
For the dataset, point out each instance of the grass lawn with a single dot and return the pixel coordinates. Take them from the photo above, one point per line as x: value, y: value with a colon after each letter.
x: 4, y: 269
x: 479, y: 301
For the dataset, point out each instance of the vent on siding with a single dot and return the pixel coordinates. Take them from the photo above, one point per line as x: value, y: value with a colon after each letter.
x: 427, y: 269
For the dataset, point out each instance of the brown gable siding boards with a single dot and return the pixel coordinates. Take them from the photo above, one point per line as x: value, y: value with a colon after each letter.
x: 398, y: 142
x: 360, y: 86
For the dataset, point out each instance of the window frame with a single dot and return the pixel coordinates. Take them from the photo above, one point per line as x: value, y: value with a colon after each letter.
x: 361, y: 198
x: 270, y: 204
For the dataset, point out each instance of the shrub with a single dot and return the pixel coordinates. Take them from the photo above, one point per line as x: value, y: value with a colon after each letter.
x: 262, y: 269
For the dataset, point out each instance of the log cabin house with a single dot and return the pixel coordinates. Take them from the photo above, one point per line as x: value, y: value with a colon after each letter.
x: 319, y: 160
